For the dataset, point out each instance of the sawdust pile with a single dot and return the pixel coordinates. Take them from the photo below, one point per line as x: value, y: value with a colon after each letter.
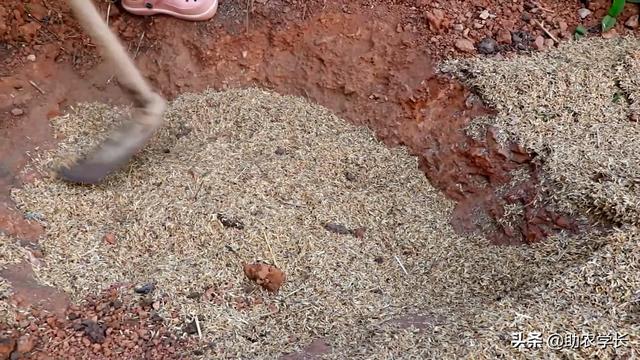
x: 285, y: 169
x: 577, y: 108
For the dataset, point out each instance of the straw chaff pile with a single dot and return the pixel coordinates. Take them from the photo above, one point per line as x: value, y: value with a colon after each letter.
x: 576, y: 107
x: 10, y: 253
x: 285, y: 168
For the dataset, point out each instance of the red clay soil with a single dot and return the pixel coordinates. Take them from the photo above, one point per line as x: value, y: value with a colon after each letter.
x: 118, y: 323
x: 370, y: 61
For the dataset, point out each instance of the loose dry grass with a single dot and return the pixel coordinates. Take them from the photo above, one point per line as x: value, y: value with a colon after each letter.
x: 162, y: 210
x: 10, y: 253
x: 574, y: 107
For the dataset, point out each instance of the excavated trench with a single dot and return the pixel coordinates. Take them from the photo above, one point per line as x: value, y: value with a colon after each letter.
x: 358, y: 64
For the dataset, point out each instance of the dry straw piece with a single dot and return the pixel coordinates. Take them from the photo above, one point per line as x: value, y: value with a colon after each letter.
x: 278, y: 164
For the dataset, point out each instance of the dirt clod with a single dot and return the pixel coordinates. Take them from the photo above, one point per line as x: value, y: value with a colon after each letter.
x: 359, y: 232
x: 337, y: 228
x: 268, y: 276
x: 145, y: 288
x: 539, y: 43
x: 25, y: 344
x: 632, y: 22
x: 350, y: 176
x: 229, y: 222
x: 94, y: 331
x: 487, y: 46
x: 110, y: 238
x: 465, y: 45
x: 17, y: 112
x: 504, y: 36
x: 190, y: 327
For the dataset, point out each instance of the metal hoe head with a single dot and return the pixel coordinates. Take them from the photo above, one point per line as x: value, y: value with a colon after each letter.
x: 122, y: 144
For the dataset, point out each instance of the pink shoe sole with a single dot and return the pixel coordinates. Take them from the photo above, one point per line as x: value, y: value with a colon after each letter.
x: 192, y: 10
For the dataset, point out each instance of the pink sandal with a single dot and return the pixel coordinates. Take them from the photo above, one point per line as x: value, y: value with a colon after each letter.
x: 193, y: 10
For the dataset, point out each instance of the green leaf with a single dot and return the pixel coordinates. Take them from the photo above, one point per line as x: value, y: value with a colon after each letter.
x: 580, y: 32
x: 608, y: 22
x: 616, y: 8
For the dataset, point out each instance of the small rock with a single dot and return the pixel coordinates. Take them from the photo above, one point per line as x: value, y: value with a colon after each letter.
x: 280, y: 150
x: 465, y: 45
x: 6, y: 347
x: 504, y: 36
x: 484, y: 15
x: 145, y: 289
x: 610, y: 34
x: 487, y: 46
x: 435, y: 18
x: 478, y: 25
x: 17, y: 112
x: 562, y: 25
x: 86, y: 342
x: 539, y: 42
x: 519, y: 37
x: 31, y: 58
x: 549, y: 43
x: 632, y: 22
x: 583, y: 13
x: 458, y: 27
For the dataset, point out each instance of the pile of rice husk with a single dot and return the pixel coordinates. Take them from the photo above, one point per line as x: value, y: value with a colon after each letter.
x: 576, y: 107
x: 296, y: 176
x: 10, y: 253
